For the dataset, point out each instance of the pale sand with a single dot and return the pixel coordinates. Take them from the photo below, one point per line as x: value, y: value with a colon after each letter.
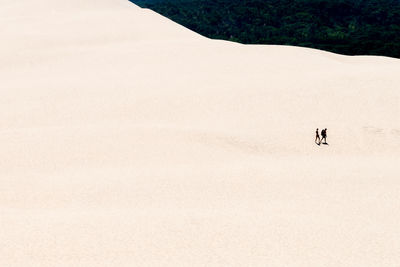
x: 128, y: 140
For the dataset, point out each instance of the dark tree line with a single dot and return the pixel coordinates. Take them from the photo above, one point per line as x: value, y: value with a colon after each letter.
x: 351, y: 27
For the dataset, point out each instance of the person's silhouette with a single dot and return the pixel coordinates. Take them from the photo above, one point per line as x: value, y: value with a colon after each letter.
x: 317, y: 137
x: 323, y: 134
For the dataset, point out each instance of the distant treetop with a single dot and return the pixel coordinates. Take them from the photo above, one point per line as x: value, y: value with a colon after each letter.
x: 351, y: 27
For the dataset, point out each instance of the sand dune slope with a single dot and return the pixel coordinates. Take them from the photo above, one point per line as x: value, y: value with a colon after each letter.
x: 128, y: 140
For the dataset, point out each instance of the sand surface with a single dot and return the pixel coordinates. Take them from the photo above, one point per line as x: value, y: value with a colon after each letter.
x: 128, y: 140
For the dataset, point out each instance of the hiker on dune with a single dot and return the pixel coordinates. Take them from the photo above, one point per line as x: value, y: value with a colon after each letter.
x: 323, y: 134
x: 317, y: 137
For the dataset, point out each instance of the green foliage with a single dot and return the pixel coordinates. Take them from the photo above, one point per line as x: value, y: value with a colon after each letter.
x: 352, y: 27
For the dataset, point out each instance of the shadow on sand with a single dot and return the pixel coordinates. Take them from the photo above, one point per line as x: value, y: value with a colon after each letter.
x: 325, y: 143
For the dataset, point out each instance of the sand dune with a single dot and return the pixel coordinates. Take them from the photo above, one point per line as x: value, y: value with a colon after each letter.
x: 128, y: 140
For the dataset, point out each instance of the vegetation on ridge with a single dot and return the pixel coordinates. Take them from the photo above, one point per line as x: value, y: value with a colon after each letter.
x: 351, y: 27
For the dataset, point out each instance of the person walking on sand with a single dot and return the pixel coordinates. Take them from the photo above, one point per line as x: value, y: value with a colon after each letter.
x: 323, y: 134
x: 317, y: 137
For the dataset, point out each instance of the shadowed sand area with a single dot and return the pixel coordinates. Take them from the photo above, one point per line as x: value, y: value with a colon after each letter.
x: 128, y: 140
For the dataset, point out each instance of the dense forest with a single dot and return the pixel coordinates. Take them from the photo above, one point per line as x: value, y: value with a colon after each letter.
x: 351, y: 27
